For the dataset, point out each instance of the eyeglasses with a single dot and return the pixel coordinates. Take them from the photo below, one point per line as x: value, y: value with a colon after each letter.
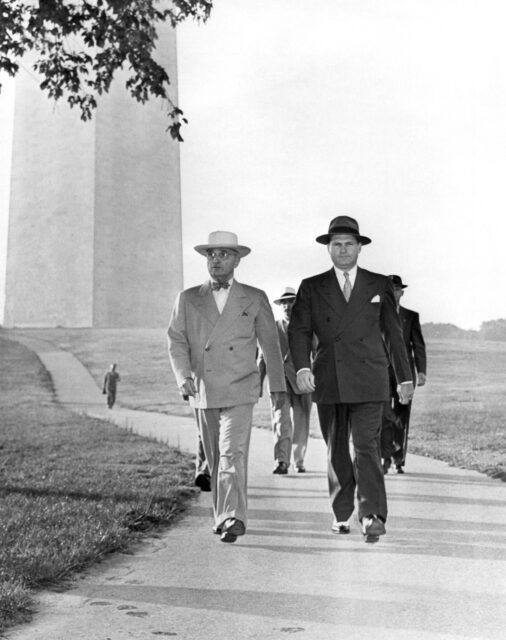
x: 222, y: 254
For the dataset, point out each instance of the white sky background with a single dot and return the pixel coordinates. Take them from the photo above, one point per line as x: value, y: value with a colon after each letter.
x: 391, y: 111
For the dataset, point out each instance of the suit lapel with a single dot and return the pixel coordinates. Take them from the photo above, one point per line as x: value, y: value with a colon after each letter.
x: 206, y: 304
x: 237, y: 303
x: 362, y: 292
x: 330, y: 290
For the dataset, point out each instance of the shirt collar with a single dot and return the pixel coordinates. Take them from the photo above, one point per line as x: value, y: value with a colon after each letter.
x: 351, y: 272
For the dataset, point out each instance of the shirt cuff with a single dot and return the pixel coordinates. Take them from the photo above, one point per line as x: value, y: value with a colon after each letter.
x: 303, y: 369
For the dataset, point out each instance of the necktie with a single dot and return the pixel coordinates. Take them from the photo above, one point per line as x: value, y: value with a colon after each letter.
x: 347, y: 286
x: 216, y: 286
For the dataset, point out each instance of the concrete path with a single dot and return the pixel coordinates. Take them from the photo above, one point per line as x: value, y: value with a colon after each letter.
x: 439, y: 573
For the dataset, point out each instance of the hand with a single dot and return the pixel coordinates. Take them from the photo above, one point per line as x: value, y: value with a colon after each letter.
x: 277, y: 399
x: 305, y: 381
x: 422, y: 379
x: 188, y: 388
x: 405, y: 391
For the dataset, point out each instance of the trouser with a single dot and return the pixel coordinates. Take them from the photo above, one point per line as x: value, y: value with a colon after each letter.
x: 364, y: 472
x: 394, y: 431
x: 225, y: 435
x: 403, y: 412
x: 290, y: 426
x: 201, y: 466
x: 111, y: 398
x: 391, y: 432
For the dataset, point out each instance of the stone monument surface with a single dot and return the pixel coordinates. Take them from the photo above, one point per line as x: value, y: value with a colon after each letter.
x: 95, y: 210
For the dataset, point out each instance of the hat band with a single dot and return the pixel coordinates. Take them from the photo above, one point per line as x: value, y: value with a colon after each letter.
x: 352, y: 232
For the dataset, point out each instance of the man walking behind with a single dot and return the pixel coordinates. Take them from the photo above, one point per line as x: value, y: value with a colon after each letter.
x: 213, y: 336
x: 290, y: 423
x: 109, y: 388
x: 351, y: 311
x: 394, y: 437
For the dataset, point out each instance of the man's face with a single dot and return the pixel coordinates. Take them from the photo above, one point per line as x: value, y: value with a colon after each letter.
x: 287, y: 306
x: 221, y: 264
x: 344, y: 249
x: 398, y: 293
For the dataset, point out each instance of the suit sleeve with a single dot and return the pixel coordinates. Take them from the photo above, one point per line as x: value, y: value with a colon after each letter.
x: 300, y: 329
x: 418, y: 345
x: 179, y: 347
x: 267, y: 336
x: 392, y: 330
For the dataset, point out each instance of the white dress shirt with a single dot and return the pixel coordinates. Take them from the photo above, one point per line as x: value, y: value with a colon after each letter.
x: 352, y: 273
x: 221, y: 296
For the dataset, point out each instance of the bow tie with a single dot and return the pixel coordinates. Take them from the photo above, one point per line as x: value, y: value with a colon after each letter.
x: 216, y: 286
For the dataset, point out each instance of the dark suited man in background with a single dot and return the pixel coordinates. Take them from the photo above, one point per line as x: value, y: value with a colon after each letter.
x: 213, y: 335
x: 351, y: 311
x: 394, y: 436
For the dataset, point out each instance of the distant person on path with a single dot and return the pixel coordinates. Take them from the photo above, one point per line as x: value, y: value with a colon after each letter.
x: 395, y: 431
x: 111, y: 380
x: 290, y: 423
x: 213, y: 336
x: 350, y: 310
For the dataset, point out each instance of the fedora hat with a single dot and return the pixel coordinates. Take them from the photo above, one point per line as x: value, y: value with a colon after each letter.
x: 223, y: 240
x: 397, y: 281
x: 343, y: 224
x: 288, y: 294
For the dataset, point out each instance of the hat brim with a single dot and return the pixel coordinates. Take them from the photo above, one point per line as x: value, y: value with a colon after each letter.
x: 240, y: 249
x: 284, y: 298
x: 325, y: 238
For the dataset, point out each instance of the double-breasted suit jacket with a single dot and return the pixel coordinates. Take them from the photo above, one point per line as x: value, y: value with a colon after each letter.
x: 351, y: 361
x: 219, y: 350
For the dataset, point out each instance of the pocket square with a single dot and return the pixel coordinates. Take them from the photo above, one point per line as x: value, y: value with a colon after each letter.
x: 376, y: 299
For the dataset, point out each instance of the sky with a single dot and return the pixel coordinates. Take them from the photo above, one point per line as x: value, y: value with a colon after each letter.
x: 393, y: 112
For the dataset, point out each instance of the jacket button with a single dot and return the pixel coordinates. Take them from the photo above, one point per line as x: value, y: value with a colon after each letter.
x: 231, y: 348
x: 207, y: 348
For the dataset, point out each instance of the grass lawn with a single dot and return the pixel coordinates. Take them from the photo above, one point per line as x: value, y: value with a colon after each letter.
x: 72, y: 489
x: 458, y: 416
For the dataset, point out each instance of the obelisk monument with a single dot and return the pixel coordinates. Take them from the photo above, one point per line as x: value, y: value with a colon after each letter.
x: 95, y: 210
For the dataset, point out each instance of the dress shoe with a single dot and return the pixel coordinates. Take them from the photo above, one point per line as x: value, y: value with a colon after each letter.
x: 340, y: 527
x: 387, y: 463
x: 281, y: 469
x: 372, y: 528
x: 203, y: 482
x: 231, y: 529
x: 301, y: 469
x: 399, y: 469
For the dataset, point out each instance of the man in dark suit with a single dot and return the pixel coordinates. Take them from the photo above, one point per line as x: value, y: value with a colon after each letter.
x: 394, y: 436
x: 351, y: 312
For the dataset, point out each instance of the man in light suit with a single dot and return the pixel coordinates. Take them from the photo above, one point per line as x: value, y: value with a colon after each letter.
x: 290, y: 423
x: 395, y: 430
x: 351, y: 311
x: 213, y: 336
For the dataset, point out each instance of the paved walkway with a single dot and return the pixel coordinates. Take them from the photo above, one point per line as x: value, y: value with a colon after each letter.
x: 439, y: 573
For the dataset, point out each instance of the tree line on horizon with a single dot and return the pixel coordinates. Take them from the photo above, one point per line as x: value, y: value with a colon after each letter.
x: 489, y: 330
